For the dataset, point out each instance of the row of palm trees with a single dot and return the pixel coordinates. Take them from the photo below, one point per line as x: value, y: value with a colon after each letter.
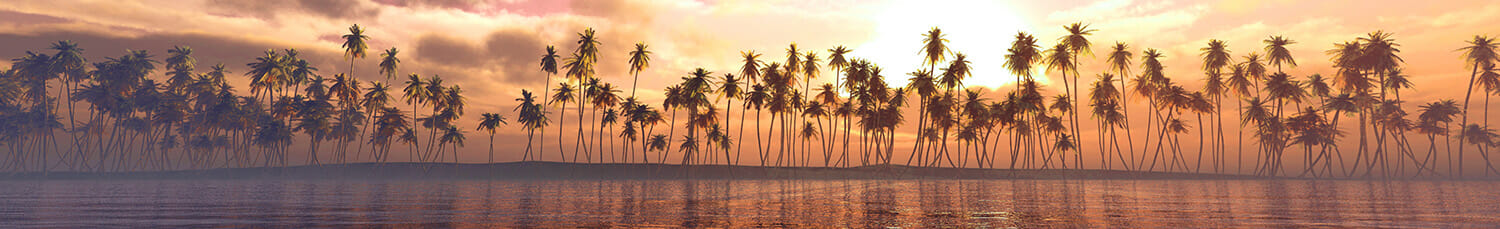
x: 1042, y: 132
x: 120, y: 119
x: 122, y: 116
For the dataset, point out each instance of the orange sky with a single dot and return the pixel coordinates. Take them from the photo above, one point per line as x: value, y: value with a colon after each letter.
x: 491, y: 47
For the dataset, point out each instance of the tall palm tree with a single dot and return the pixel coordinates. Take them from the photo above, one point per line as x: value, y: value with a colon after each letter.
x: 640, y: 59
x: 750, y: 72
x: 729, y: 89
x: 1060, y: 59
x: 838, y: 61
x: 1215, y: 58
x: 1479, y: 53
x: 415, y: 93
x: 548, y: 64
x: 1119, y: 62
x: 934, y: 51
x: 487, y: 123
x: 354, y: 48
x: 1077, y: 44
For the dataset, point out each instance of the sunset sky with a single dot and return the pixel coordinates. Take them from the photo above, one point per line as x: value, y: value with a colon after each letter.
x: 491, y: 48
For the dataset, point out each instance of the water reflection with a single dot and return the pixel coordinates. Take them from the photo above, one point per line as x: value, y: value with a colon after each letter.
x: 747, y: 203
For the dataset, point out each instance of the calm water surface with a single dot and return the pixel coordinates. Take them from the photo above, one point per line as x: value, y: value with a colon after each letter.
x: 740, y: 203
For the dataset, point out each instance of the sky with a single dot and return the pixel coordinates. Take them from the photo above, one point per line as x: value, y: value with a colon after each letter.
x: 491, y: 48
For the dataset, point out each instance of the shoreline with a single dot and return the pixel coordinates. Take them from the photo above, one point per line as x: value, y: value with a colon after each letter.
x: 538, y: 170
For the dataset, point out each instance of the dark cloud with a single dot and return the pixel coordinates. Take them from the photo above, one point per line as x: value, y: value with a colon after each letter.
x: 269, y: 9
x: 511, y: 52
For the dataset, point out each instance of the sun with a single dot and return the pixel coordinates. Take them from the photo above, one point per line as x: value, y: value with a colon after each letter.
x: 982, y: 30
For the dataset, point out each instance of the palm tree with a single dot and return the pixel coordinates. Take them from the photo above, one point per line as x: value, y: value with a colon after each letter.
x: 922, y: 82
x: 562, y: 95
x: 548, y: 64
x: 1482, y: 137
x: 1119, y: 62
x: 389, y: 63
x: 1276, y: 52
x: 354, y: 48
x: 416, y: 93
x: 934, y: 51
x: 376, y: 97
x: 640, y: 59
x: 1215, y: 58
x: 1077, y: 44
x: 729, y: 89
x: 1061, y: 59
x: 1435, y: 118
x: 488, y: 122
x: 838, y: 61
x: 1105, y: 99
x: 1480, y: 52
x: 451, y: 136
x: 532, y: 117
x: 607, y: 97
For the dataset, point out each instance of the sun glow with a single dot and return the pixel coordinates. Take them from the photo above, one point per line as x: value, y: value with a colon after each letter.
x: 982, y: 30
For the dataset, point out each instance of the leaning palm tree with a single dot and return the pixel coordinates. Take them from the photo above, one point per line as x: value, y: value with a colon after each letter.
x: 532, y: 117
x: 487, y: 123
x: 562, y: 95
x: 1060, y: 59
x: 1482, y: 137
x: 1479, y: 53
x: 1435, y: 118
x: 640, y: 59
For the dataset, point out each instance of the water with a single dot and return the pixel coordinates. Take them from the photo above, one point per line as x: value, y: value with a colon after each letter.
x: 742, y: 203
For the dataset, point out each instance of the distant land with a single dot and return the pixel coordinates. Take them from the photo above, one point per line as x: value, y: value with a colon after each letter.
x: 581, y: 171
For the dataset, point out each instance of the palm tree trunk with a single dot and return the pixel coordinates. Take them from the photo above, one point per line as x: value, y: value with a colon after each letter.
x: 561, y: 117
x: 671, y: 134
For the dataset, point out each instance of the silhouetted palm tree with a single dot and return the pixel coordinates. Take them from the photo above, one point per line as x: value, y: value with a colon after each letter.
x: 531, y: 116
x: 487, y: 123
x: 640, y: 59
x: 1479, y: 53
x: 934, y: 51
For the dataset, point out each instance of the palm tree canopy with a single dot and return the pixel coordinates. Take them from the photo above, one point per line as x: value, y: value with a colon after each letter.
x: 640, y: 58
x: 354, y: 42
x: 549, y: 60
x: 1077, y: 40
x: 751, y: 68
x: 1023, y: 53
x: 389, y: 62
x: 934, y: 46
x: 1277, y: 53
x: 1480, y: 50
x: 1215, y: 56
x: 1119, y: 59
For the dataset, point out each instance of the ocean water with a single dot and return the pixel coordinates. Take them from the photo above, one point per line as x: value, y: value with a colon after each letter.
x: 747, y: 203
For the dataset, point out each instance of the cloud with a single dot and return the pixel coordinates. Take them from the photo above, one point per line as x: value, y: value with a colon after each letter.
x: 270, y: 9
